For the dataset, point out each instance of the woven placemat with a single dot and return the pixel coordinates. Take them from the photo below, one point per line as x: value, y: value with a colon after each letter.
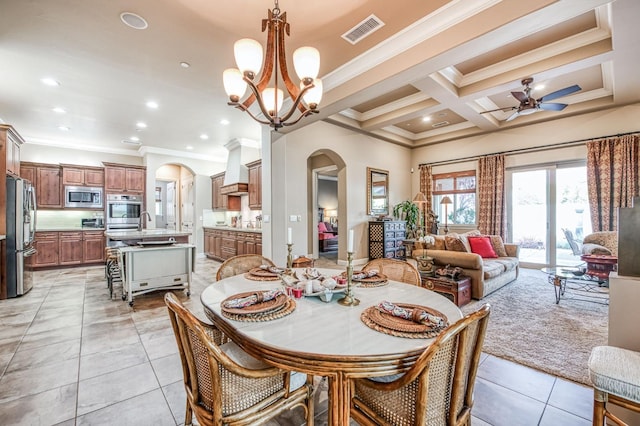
x: 283, y: 311
x: 257, y: 308
x: 400, y: 327
x: 374, y: 281
x: 361, y: 284
x: 250, y: 276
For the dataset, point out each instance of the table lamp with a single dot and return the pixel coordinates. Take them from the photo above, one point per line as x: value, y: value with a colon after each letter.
x: 446, y: 201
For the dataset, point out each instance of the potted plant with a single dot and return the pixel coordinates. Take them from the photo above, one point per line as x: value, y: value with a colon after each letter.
x: 410, y: 213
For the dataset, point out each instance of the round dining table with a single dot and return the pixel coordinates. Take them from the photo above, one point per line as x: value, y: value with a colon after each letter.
x: 327, y: 338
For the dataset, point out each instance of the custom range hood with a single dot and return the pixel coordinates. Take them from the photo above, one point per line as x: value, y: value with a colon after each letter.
x: 236, y: 177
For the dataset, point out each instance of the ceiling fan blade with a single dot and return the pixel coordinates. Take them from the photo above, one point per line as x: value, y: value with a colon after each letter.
x: 512, y: 116
x: 560, y: 93
x: 500, y: 109
x: 552, y: 107
x: 520, y: 96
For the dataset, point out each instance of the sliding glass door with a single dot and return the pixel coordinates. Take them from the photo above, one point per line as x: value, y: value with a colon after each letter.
x: 548, y: 207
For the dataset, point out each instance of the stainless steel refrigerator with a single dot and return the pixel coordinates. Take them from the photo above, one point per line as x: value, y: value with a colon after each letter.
x: 21, y: 229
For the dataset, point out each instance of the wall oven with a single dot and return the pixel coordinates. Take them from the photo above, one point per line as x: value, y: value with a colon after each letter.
x: 82, y: 197
x: 123, y: 211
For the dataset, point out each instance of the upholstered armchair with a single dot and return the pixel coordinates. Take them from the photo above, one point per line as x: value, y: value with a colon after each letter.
x: 603, y: 242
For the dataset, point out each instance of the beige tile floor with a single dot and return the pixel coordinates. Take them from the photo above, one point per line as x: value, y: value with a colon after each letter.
x: 71, y: 356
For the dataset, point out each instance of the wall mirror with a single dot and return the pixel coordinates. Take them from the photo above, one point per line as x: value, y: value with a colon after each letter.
x: 377, y: 192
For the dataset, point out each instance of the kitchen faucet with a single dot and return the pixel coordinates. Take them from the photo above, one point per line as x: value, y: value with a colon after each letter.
x: 140, y: 219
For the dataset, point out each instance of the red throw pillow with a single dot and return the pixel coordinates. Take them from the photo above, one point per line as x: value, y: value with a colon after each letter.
x: 482, y: 246
x: 322, y: 227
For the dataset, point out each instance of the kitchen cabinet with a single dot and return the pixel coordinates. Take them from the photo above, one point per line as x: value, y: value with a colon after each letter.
x: 70, y: 246
x: 119, y: 178
x: 93, y: 244
x: 46, y: 179
x: 47, y: 245
x: 11, y: 141
x: 82, y: 176
x: 48, y: 189
x: 221, y: 244
x: 220, y: 201
x: 255, y: 185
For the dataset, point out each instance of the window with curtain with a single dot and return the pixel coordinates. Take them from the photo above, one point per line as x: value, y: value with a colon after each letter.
x: 460, y: 187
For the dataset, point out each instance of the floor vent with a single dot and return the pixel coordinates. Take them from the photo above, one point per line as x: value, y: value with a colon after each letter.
x: 363, y: 29
x: 440, y: 124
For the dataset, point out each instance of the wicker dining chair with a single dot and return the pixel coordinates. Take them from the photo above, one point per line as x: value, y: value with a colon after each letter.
x: 240, y: 264
x: 436, y: 390
x: 224, y: 384
x: 395, y: 270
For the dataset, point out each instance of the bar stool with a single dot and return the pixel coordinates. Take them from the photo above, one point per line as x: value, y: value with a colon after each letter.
x: 112, y: 269
x: 615, y: 374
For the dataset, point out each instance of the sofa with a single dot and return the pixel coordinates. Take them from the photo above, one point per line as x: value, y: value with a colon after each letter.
x: 327, y: 237
x: 488, y: 273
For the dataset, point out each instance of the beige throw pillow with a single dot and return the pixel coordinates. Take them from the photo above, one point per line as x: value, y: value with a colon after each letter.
x: 454, y: 242
x: 498, y: 245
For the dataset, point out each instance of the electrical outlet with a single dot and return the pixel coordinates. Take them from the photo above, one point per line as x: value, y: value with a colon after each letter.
x: 299, y: 218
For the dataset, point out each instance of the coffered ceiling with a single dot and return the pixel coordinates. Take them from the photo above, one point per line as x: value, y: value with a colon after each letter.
x: 428, y: 74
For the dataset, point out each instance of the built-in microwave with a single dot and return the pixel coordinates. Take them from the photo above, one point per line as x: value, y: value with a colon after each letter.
x: 83, y: 197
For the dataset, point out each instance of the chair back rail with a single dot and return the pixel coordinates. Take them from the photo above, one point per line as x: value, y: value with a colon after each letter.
x: 240, y: 264
x: 396, y: 270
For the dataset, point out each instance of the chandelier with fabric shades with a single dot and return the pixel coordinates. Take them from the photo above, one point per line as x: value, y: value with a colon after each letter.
x: 265, y: 90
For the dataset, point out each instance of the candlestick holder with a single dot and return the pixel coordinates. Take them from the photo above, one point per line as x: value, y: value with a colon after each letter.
x: 289, y: 256
x: 348, y: 299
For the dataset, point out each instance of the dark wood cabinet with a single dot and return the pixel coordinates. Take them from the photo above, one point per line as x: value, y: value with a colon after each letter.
x: 255, y: 185
x: 119, y: 178
x: 93, y: 244
x: 47, y: 180
x: 11, y: 141
x: 222, y: 244
x: 47, y: 245
x: 220, y: 201
x: 82, y: 176
x: 48, y: 189
x: 70, y: 246
x: 386, y: 239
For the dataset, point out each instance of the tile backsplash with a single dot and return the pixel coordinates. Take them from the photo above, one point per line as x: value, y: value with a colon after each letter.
x: 63, y: 219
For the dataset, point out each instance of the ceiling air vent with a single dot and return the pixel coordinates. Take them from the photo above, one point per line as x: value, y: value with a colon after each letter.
x: 440, y: 124
x: 130, y: 142
x: 363, y: 29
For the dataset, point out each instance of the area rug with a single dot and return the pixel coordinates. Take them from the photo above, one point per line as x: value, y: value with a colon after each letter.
x: 528, y: 327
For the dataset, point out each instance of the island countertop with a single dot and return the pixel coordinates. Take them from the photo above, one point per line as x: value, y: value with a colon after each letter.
x: 230, y: 228
x: 145, y: 233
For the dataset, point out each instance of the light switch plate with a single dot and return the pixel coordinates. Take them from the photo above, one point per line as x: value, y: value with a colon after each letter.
x: 293, y: 218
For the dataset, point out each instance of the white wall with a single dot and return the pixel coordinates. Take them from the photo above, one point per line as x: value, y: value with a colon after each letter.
x: 290, y: 182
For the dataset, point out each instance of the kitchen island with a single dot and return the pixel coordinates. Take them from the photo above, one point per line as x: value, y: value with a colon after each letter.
x: 155, y: 265
x: 117, y: 238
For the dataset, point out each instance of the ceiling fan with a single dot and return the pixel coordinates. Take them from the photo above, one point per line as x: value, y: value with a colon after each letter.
x: 529, y: 105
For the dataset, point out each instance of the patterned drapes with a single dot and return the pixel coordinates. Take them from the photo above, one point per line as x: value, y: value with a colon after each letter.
x: 612, y: 178
x: 491, y: 196
x: 426, y: 184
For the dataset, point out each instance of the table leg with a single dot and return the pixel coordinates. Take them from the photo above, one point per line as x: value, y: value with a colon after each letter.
x: 559, y: 286
x: 339, y: 394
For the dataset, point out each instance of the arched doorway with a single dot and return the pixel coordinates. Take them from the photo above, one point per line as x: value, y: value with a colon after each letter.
x: 327, y: 205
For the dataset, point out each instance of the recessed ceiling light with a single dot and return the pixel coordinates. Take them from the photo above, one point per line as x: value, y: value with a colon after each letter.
x: 134, y: 138
x: 204, y: 136
x: 141, y: 125
x: 50, y: 81
x: 133, y: 20
x: 185, y: 64
x: 63, y: 128
x: 428, y: 118
x: 539, y: 87
x: 189, y: 147
x: 59, y: 110
x: 152, y: 104
x: 224, y: 122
